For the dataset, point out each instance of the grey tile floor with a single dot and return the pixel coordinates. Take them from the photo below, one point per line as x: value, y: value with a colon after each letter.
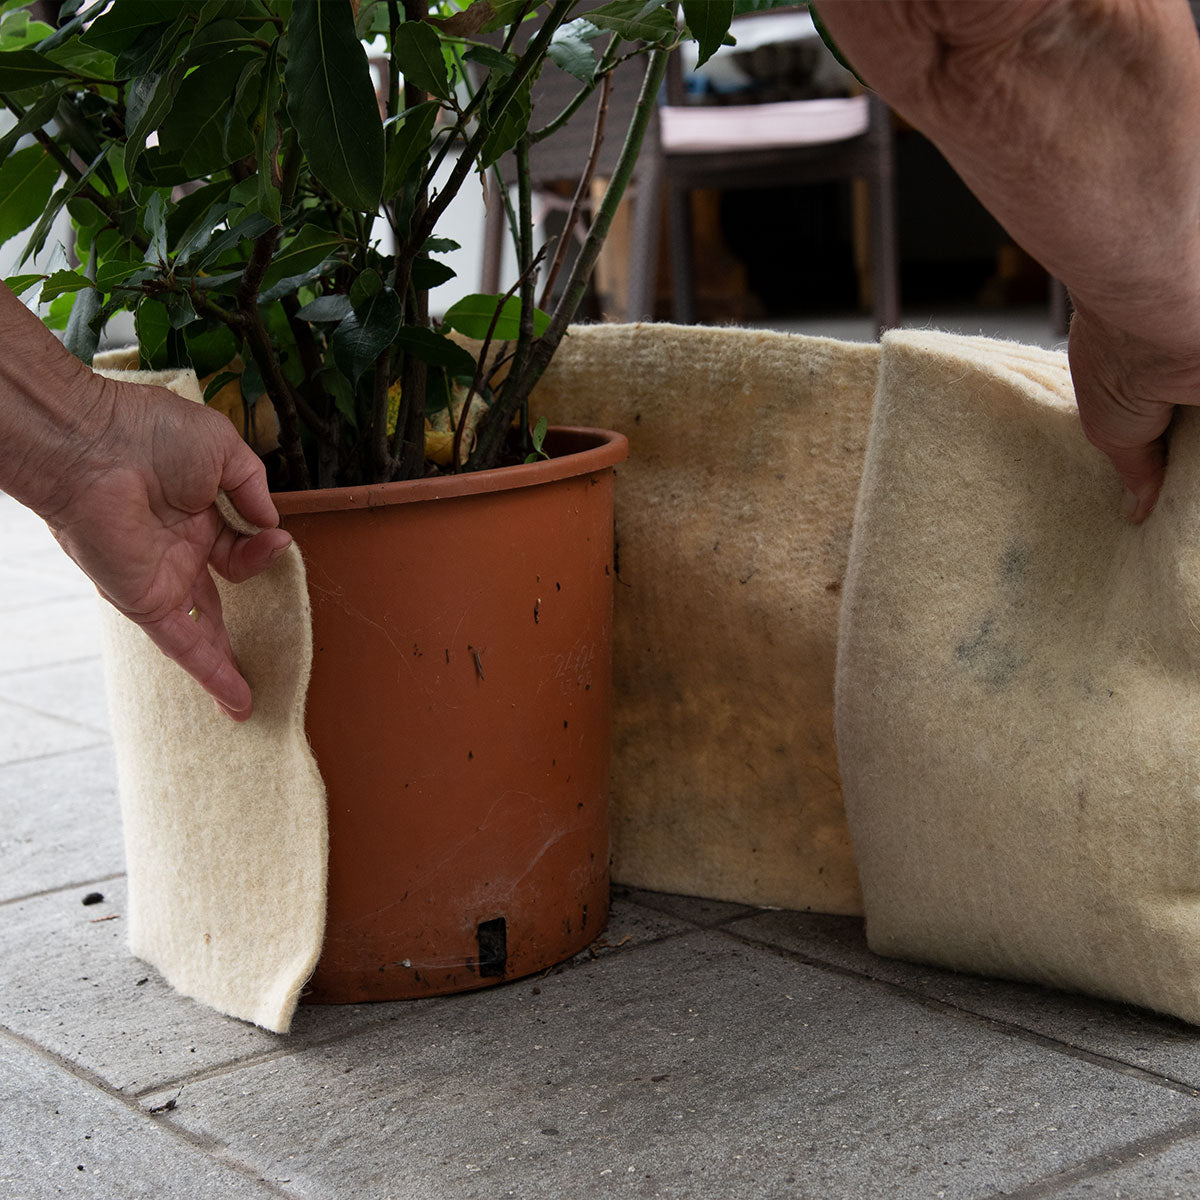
x: 703, y: 1050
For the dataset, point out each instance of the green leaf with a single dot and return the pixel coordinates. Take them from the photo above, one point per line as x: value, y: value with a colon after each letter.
x: 140, y: 56
x: 503, y: 12
x: 26, y: 68
x: 472, y: 316
x: 217, y: 382
x: 436, y: 349
x: 123, y: 24
x: 197, y: 236
x: 365, y: 288
x: 492, y: 59
x: 155, y: 218
x: 266, y: 137
x: 570, y: 48
x: 408, y: 140
x: 17, y: 31
x: 635, y: 21
x: 428, y: 273
x: 366, y: 333
x: 326, y: 308
x: 112, y: 274
x: 180, y: 311
x: 708, y: 22
x: 221, y: 37
x: 153, y: 328
x: 59, y: 314
x: 832, y: 46
x: 62, y: 282
x: 440, y: 245
x: 35, y: 117
x: 508, y: 124
x: 19, y: 284
x: 332, y: 104
x: 538, y: 437
x: 251, y: 227
x: 193, y: 133
x: 418, y: 53
x: 210, y: 349
x: 147, y: 100
x: 27, y: 179
x: 289, y: 285
x: 307, y: 250
x: 82, y: 335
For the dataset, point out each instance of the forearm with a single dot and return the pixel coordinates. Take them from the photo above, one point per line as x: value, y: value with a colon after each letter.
x: 51, y: 408
x: 1074, y: 121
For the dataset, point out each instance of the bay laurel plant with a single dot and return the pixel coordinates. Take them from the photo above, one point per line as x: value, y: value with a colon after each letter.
x: 261, y: 182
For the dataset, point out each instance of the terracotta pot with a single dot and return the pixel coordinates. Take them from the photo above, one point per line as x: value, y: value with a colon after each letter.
x: 459, y: 711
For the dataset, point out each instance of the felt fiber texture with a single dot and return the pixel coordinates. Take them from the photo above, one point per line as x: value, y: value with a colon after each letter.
x: 1018, y: 709
x: 733, y: 519
x: 225, y: 825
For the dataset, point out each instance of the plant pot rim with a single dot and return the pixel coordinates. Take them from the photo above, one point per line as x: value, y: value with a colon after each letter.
x: 582, y: 450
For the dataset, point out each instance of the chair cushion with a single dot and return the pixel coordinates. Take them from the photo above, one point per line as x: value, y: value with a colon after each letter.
x: 698, y: 129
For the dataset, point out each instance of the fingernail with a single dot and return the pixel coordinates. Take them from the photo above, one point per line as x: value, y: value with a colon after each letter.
x: 1129, y: 505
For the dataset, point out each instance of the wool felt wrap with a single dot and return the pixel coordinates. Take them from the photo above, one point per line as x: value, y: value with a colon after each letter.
x: 733, y: 519
x: 224, y: 824
x: 1018, y: 699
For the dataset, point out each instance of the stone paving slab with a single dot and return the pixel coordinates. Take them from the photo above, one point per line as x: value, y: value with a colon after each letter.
x: 693, y: 909
x: 21, y: 588
x: 70, y: 984
x: 1167, y: 1175
x: 59, y: 822
x: 699, y: 1067
x: 72, y: 692
x: 26, y: 734
x: 61, y: 1136
x: 1142, y: 1039
x: 59, y: 631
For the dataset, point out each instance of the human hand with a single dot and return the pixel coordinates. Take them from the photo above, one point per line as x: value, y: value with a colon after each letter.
x: 136, y: 511
x: 1127, y: 390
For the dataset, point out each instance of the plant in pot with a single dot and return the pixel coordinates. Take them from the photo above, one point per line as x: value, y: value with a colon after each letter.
x: 269, y: 211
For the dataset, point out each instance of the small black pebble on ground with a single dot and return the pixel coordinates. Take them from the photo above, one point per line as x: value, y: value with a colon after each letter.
x: 94, y: 898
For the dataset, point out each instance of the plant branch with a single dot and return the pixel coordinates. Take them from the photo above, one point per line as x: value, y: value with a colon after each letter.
x: 604, y: 69
x: 481, y: 362
x: 525, y: 261
x: 278, y: 388
x: 518, y: 386
x: 581, y: 192
x: 502, y: 99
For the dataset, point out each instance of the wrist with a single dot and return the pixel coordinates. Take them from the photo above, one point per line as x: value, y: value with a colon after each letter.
x: 53, y: 410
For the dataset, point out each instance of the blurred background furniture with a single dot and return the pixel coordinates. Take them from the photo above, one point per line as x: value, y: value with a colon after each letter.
x: 693, y: 146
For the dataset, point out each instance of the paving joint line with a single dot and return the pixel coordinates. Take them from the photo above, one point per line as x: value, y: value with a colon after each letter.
x: 206, y: 1145
x: 49, y: 666
x: 103, y: 734
x: 66, y: 887
x: 1116, y: 1066
x: 104, y: 740
x: 1107, y: 1161
x: 300, y: 1044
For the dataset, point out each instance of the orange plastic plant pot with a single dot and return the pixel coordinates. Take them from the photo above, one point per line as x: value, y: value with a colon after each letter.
x: 460, y: 714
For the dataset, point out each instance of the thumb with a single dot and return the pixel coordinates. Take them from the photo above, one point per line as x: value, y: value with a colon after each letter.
x: 1123, y: 412
x: 244, y: 481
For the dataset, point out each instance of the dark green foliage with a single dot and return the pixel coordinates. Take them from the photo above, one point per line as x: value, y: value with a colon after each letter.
x: 225, y: 164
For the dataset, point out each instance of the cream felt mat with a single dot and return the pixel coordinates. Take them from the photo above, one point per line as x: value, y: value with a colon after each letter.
x: 225, y: 830
x: 733, y: 518
x: 1018, y: 698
